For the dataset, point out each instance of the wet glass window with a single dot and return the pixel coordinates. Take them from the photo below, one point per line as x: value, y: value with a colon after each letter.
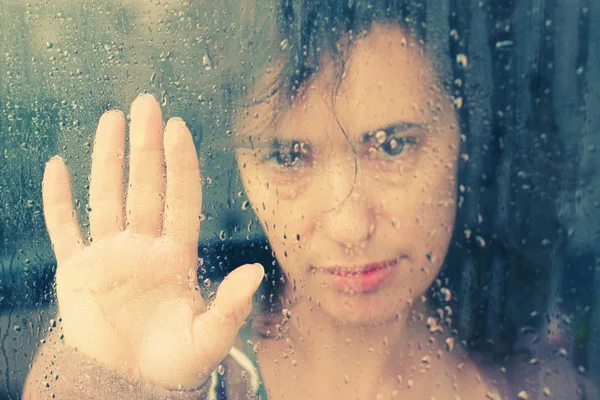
x: 299, y: 199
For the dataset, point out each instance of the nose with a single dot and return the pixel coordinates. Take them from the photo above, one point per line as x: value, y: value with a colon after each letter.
x: 348, y: 217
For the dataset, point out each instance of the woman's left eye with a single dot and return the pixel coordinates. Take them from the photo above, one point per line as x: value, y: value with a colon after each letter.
x: 389, y: 141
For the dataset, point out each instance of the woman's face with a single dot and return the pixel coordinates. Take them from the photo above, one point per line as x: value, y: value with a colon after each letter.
x: 356, y: 191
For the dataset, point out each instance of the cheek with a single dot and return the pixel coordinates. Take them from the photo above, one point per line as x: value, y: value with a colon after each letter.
x: 284, y: 214
x: 423, y: 208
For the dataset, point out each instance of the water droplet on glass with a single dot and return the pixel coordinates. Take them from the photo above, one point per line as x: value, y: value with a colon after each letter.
x: 523, y: 395
x: 458, y: 102
x: 221, y: 370
x: 206, y: 62
x: 504, y: 43
x: 562, y: 351
x: 446, y: 293
x: 480, y: 241
x: 207, y: 282
x: 433, y: 325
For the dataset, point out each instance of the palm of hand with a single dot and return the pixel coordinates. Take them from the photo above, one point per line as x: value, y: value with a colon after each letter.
x: 130, y: 299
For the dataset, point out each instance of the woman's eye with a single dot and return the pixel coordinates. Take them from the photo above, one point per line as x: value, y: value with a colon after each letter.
x: 290, y: 155
x: 389, y: 142
x: 395, y: 146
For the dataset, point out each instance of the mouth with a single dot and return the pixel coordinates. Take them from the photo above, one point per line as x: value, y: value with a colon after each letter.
x: 360, y: 279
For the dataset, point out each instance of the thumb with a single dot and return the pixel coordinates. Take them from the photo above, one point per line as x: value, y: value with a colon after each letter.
x: 215, y: 330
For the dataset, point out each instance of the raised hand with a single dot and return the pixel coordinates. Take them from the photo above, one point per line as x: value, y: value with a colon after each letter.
x: 130, y: 298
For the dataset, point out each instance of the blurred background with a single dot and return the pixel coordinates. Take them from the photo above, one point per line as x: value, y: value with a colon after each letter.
x: 526, y: 85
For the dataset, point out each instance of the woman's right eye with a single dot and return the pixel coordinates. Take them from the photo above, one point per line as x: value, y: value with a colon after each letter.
x: 290, y: 155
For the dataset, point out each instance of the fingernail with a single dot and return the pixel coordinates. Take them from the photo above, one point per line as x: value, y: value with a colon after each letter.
x: 54, y: 159
x: 255, y: 272
x: 176, y: 120
x: 260, y: 271
x: 111, y: 115
x: 142, y: 101
x: 115, y: 111
x: 142, y: 95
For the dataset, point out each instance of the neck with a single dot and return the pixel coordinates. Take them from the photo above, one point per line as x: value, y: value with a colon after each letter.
x: 369, y: 353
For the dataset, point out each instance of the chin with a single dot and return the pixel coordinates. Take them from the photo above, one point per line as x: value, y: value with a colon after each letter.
x: 364, y: 309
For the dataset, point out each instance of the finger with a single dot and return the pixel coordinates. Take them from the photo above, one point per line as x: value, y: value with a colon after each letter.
x: 146, y: 170
x: 60, y: 216
x: 106, y: 185
x: 184, y: 195
x: 214, y: 331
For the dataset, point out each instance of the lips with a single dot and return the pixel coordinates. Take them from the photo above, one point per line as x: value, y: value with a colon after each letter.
x: 360, y: 269
x: 361, y: 279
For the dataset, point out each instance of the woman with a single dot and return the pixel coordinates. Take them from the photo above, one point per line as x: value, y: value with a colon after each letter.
x: 350, y: 159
